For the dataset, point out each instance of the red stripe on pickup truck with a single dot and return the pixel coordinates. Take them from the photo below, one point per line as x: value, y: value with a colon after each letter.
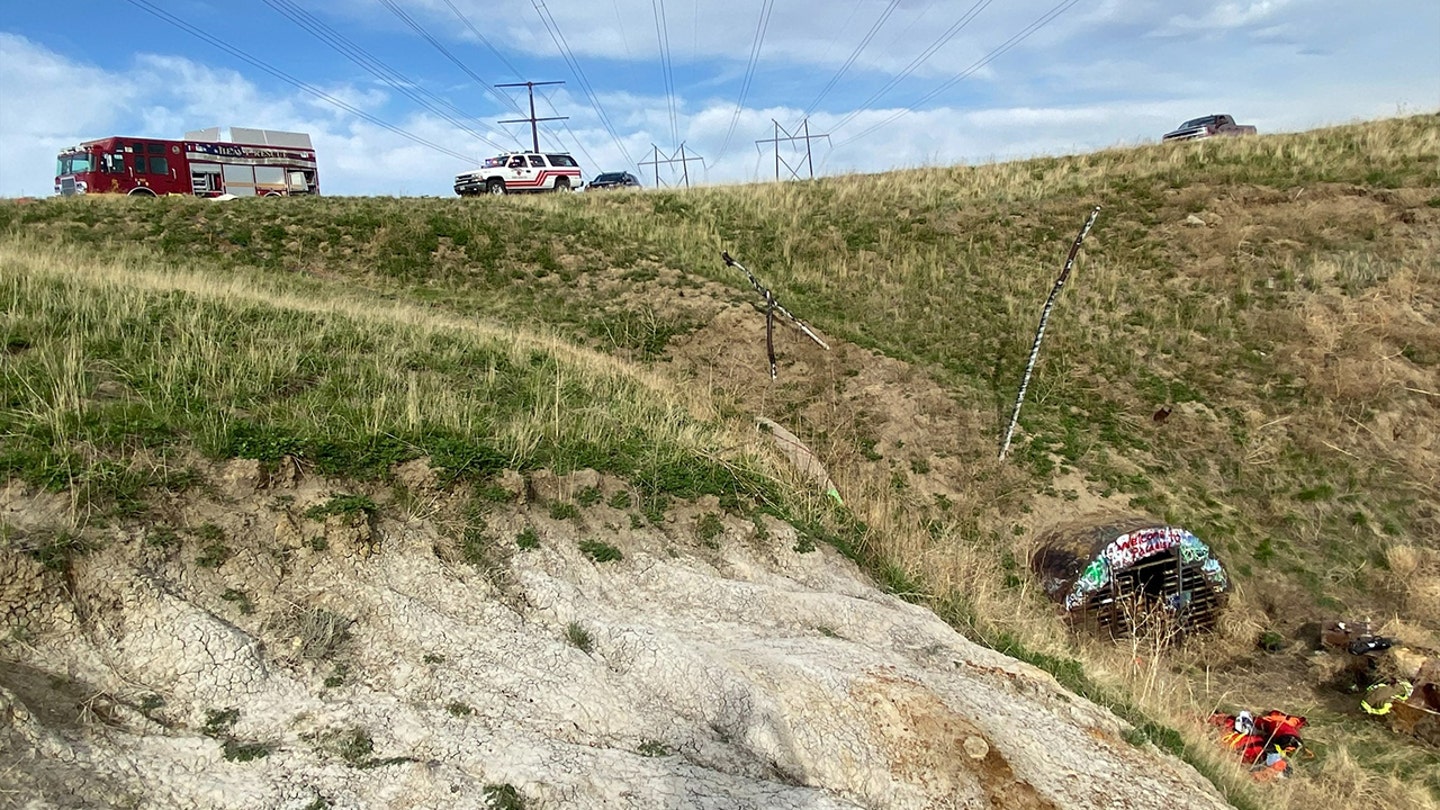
x: 542, y: 179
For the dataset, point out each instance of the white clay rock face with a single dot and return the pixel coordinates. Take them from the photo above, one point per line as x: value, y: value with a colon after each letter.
x: 255, y: 651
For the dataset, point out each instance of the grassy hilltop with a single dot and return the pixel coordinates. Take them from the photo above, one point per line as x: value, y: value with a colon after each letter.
x: 1280, y: 294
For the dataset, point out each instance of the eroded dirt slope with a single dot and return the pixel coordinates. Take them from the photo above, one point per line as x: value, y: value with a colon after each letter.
x: 261, y: 656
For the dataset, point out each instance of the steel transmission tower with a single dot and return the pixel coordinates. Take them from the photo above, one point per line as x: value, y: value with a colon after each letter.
x: 532, y: 120
x: 806, y: 137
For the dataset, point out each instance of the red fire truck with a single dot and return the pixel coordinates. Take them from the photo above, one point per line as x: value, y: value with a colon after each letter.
x: 208, y: 163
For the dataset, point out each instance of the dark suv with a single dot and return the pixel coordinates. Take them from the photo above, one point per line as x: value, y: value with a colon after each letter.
x: 615, y: 180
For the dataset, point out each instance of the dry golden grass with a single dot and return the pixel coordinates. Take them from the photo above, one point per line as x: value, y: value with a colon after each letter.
x: 1295, y: 332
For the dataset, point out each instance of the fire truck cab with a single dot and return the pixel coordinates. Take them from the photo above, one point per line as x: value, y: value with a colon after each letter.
x: 209, y: 163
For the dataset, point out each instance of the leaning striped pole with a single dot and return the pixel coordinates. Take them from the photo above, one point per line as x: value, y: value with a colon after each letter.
x: 1040, y: 333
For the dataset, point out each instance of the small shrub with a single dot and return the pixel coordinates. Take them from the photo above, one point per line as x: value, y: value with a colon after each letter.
x: 210, y: 533
x: 1270, y: 641
x: 241, y: 600
x: 214, y: 555
x: 161, y: 536
x: 351, y: 506
x: 653, y: 508
x: 1136, y: 737
x: 868, y: 451
x: 218, y: 722
x: 493, y: 492
x: 579, y: 637
x: 433, y: 658
x: 601, y: 552
x: 620, y: 500
x: 236, y: 751
x: 353, y: 745
x: 653, y: 748
x: 588, y: 496
x: 57, y: 552
x: 564, y: 511
x: 1264, y: 552
x: 476, y: 546
x: 762, y: 532
x: 708, y: 527
x: 528, y: 539
x: 336, y: 678
x: 316, y: 633
x: 503, y: 797
x: 459, y: 709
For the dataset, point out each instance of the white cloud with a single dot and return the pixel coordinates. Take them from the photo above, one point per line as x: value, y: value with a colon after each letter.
x: 1226, y: 16
x: 1109, y: 72
x: 50, y: 103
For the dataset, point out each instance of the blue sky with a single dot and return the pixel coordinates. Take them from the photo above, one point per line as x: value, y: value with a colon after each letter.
x: 893, y: 83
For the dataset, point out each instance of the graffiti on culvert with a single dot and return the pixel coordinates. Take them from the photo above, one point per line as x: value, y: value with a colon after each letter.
x: 1129, y: 549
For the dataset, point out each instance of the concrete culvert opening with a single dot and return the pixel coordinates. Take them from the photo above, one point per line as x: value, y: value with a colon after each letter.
x: 1129, y: 575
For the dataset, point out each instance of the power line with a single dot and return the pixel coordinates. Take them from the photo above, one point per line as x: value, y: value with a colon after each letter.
x: 949, y: 34
x: 667, y: 72
x: 855, y: 54
x: 376, y: 67
x: 498, y: 55
x: 1040, y: 22
x: 507, y: 100
x: 149, y: 8
x: 419, y: 29
x: 553, y: 28
x: 761, y: 26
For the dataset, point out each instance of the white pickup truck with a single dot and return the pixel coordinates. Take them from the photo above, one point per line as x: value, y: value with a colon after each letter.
x: 518, y: 172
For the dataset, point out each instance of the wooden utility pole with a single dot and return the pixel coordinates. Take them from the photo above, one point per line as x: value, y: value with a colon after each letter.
x: 532, y: 120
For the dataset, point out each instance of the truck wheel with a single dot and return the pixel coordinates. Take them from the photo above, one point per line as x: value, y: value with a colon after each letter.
x: 562, y: 184
x: 141, y: 192
x: 495, y: 187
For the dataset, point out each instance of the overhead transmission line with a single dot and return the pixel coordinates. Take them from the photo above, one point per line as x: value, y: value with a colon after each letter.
x: 415, y: 26
x: 761, y: 26
x: 553, y: 28
x: 199, y: 33
x: 667, y: 69
x: 395, y: 79
x: 855, y: 54
x: 940, y: 42
x: 419, y: 29
x: 506, y: 99
x: 498, y: 55
x: 1024, y: 33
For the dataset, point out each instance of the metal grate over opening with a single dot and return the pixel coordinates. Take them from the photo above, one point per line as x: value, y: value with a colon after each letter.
x: 1132, y: 575
x: 1161, y: 593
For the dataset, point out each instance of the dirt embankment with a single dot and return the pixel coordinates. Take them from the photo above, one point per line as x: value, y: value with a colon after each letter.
x: 556, y: 650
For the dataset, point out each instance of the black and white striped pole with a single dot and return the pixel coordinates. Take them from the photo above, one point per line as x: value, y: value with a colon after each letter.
x: 1040, y: 333
x: 772, y: 306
